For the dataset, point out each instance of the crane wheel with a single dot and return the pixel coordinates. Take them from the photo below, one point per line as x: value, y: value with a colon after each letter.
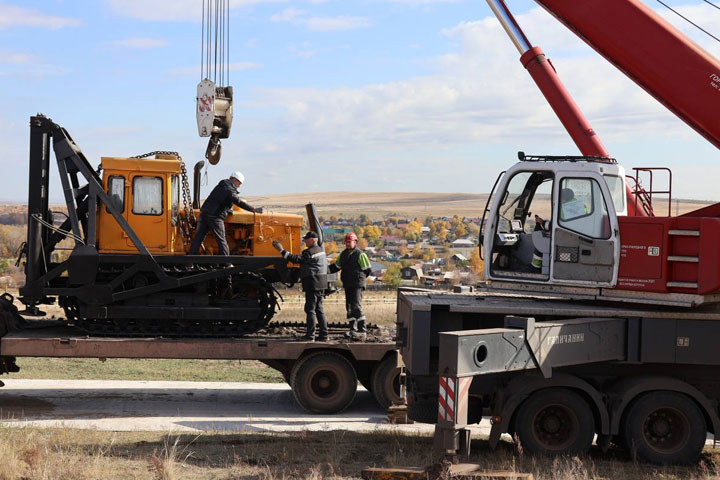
x: 664, y: 428
x: 555, y: 421
x: 385, y: 382
x: 324, y: 382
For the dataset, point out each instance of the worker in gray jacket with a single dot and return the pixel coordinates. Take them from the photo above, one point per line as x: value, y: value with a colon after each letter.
x: 215, y: 208
x: 313, y: 277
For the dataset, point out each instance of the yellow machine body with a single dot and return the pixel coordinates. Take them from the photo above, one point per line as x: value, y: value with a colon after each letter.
x: 148, y: 192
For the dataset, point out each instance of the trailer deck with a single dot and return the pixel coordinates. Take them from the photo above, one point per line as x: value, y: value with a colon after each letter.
x: 71, y: 342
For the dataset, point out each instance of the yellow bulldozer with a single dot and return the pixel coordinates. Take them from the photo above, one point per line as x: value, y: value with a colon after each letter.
x: 131, y: 221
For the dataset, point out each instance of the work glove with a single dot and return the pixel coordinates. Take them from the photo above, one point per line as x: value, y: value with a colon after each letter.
x: 277, y: 246
x: 258, y: 210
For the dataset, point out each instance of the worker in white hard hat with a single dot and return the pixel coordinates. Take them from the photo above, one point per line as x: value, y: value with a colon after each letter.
x: 214, y: 210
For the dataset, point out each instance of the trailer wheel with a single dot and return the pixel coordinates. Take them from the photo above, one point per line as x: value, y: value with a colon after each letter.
x: 385, y: 382
x: 324, y: 382
x: 665, y: 427
x: 555, y: 421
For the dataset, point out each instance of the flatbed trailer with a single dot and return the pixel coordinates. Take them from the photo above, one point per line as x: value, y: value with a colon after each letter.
x: 556, y: 372
x: 323, y: 375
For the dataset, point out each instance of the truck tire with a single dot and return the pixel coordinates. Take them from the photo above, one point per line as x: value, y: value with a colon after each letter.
x: 324, y: 382
x: 665, y: 427
x: 555, y: 421
x: 385, y: 382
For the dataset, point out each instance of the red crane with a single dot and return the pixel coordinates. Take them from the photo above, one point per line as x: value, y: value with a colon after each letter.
x: 660, y: 254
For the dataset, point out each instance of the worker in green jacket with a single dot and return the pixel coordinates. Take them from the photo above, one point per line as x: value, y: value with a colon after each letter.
x: 355, y: 267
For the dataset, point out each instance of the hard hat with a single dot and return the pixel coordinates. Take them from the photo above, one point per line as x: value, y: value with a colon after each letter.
x: 351, y: 236
x: 238, y: 176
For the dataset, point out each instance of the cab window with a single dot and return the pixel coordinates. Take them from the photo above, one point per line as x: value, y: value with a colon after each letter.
x: 616, y: 185
x: 582, y: 208
x: 116, y: 192
x: 147, y: 196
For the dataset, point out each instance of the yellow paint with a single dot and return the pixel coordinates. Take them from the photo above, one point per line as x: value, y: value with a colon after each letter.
x: 246, y: 233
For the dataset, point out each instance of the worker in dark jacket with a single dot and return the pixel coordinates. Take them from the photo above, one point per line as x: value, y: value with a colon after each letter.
x: 313, y: 276
x: 214, y: 210
x: 355, y: 267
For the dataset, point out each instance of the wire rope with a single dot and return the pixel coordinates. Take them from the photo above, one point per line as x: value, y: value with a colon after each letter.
x: 690, y: 21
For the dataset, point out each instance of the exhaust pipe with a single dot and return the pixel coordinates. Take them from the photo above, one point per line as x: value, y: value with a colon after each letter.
x: 196, y: 183
x: 313, y: 222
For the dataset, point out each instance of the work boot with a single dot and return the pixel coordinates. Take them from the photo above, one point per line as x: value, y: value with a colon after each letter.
x: 357, y: 335
x: 361, y: 325
x: 353, y: 327
x: 322, y: 338
x: 306, y: 338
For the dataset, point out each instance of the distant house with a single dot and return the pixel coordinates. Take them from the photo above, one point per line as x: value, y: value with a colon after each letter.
x: 459, y: 258
x: 463, y: 246
x: 412, y: 272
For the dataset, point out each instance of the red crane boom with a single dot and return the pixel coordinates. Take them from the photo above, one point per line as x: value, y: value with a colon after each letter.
x: 654, y: 54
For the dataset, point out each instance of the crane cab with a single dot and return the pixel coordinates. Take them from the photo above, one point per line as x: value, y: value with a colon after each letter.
x: 553, y: 220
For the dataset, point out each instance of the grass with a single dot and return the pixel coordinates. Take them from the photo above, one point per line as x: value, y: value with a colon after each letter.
x: 379, y: 308
x: 50, y: 454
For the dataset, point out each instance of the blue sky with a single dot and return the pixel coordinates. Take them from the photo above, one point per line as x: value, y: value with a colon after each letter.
x: 359, y: 95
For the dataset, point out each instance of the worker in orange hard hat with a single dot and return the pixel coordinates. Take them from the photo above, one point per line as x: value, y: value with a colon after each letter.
x: 355, y: 267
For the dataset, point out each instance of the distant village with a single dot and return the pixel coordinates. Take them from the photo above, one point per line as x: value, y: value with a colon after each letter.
x: 412, y: 252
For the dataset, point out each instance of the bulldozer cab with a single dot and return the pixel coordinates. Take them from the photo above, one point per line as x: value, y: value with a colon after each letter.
x: 554, y: 221
x: 147, y: 193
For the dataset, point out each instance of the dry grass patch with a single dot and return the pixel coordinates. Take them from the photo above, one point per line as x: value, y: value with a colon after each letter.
x: 29, y: 454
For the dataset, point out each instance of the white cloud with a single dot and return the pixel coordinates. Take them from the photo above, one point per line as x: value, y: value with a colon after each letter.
x: 172, y: 10
x: 287, y: 15
x: 15, y: 58
x: 234, y: 67
x: 478, y: 95
x: 321, y: 24
x: 141, y: 42
x: 14, y: 16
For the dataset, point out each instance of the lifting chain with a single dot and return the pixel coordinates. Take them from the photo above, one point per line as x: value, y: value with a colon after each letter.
x: 189, y: 223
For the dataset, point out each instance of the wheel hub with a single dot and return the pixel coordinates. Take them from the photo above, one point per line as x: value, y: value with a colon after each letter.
x: 555, y: 427
x: 666, y: 429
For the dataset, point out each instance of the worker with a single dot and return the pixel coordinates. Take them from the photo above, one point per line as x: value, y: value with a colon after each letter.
x: 313, y: 277
x: 355, y: 267
x: 571, y: 207
x: 214, y: 210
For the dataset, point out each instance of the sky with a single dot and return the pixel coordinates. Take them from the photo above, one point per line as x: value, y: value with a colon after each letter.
x: 331, y: 95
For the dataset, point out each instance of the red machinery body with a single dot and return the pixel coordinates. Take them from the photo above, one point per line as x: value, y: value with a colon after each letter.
x: 669, y: 254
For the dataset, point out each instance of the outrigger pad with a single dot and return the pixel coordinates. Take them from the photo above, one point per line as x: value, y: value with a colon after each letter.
x: 83, y: 265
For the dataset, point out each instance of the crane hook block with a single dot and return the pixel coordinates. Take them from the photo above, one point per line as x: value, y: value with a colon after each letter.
x: 214, y: 110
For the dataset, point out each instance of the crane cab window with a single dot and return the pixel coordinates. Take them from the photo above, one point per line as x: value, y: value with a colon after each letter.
x: 616, y: 185
x: 175, y: 198
x: 582, y: 208
x: 147, y: 196
x: 116, y: 192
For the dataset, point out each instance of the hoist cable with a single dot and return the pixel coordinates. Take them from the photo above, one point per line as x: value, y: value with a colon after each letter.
x: 202, y: 41
x: 710, y: 3
x: 228, y: 42
x: 688, y: 20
